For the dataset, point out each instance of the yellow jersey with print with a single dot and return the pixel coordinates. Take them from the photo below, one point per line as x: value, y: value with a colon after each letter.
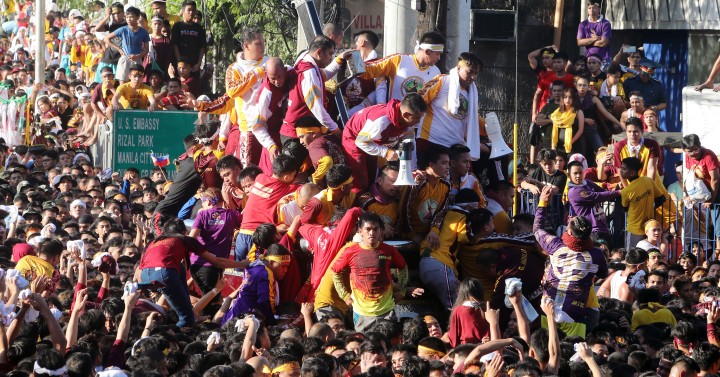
x: 639, y: 198
x: 453, y: 232
x: 388, y: 212
x: 423, y: 204
x: 439, y: 125
x: 469, y: 181
x: 328, y: 208
x: 32, y: 266
x: 134, y: 99
x: 405, y: 74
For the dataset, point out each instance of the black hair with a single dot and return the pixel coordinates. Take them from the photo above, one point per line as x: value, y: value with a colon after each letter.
x: 614, y: 69
x: 685, y: 332
x: 251, y: 171
x: 416, y: 367
x: 648, y: 295
x: 635, y: 121
x: 580, y: 227
x: 284, y: 164
x: 466, y: 195
x: 250, y: 35
x: 546, y: 155
x: 79, y: 364
x: 432, y: 37
x: 690, y: 141
x: 50, y: 248
x: 469, y: 289
x: 561, y: 55
x: 50, y: 360
x: 321, y: 42
x: 539, y: 343
x: 479, y: 218
x: 413, y: 330
x: 264, y: 235
x: 189, y: 141
x: 370, y: 218
x: 706, y: 355
x: 337, y: 175
x: 371, y: 36
x: 277, y: 249
x: 434, y: 154
x: 206, y: 130
x: 458, y: 150
x: 414, y: 102
x: 632, y: 164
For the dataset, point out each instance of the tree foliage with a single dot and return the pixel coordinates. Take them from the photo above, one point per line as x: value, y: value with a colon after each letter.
x: 276, y: 19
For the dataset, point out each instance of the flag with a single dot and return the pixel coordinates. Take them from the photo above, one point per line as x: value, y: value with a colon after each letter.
x: 161, y: 161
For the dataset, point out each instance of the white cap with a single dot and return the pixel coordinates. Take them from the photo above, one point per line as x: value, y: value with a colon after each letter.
x: 78, y: 203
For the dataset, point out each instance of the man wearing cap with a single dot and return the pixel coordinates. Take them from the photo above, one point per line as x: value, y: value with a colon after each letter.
x: 595, y: 32
x: 63, y: 183
x: 242, y: 80
x: 651, y: 90
x: 159, y: 7
x: 408, y: 73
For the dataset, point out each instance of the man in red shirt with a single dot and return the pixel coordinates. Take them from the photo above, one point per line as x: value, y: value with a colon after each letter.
x: 371, y: 293
x: 704, y: 163
x: 559, y: 72
x: 374, y: 131
x: 163, y: 262
x: 262, y: 199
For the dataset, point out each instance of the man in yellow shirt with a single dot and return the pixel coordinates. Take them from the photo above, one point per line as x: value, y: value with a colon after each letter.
x: 639, y: 198
x: 438, y: 266
x: 133, y: 95
x: 48, y: 256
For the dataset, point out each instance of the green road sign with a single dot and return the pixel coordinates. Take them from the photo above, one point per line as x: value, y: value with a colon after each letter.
x: 136, y: 133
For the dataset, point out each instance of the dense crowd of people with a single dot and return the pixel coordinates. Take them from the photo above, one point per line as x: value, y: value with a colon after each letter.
x: 290, y: 241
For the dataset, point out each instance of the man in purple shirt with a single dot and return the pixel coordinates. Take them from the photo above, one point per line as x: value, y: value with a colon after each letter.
x: 594, y: 33
x: 574, y: 263
x: 213, y: 227
x: 585, y: 199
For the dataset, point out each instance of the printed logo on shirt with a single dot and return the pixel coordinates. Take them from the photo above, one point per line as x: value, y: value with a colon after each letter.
x: 463, y: 110
x: 412, y: 84
x: 427, y: 210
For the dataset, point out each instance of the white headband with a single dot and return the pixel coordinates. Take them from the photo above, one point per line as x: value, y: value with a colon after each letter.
x: 206, y: 140
x: 57, y: 372
x: 635, y: 96
x: 429, y: 46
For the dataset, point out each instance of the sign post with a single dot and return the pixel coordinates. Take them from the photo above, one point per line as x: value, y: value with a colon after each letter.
x: 138, y: 133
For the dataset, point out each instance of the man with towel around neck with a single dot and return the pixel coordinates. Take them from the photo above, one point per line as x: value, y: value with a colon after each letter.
x: 452, y: 116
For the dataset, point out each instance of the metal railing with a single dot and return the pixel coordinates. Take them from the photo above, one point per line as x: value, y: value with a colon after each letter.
x: 687, y: 228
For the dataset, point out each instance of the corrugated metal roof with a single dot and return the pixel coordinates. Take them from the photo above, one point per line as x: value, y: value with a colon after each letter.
x: 664, y: 14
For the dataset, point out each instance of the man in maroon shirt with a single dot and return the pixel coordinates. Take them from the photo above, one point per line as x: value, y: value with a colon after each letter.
x: 704, y: 163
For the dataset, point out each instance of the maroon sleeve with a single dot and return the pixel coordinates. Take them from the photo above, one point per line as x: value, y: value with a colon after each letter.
x: 102, y: 294
x: 78, y: 287
x: 712, y: 334
x: 96, y: 95
x: 116, y: 356
x: 455, y: 330
x: 617, y: 147
x: 312, y: 208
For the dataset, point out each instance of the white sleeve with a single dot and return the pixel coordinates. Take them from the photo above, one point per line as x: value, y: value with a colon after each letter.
x: 381, y: 91
x: 369, y: 135
x: 332, y: 69
x: 312, y: 89
x: 258, y: 114
x: 225, y: 125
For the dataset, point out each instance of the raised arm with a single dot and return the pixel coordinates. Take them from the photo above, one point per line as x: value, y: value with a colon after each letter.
x: 548, y: 307
x: 71, y: 331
